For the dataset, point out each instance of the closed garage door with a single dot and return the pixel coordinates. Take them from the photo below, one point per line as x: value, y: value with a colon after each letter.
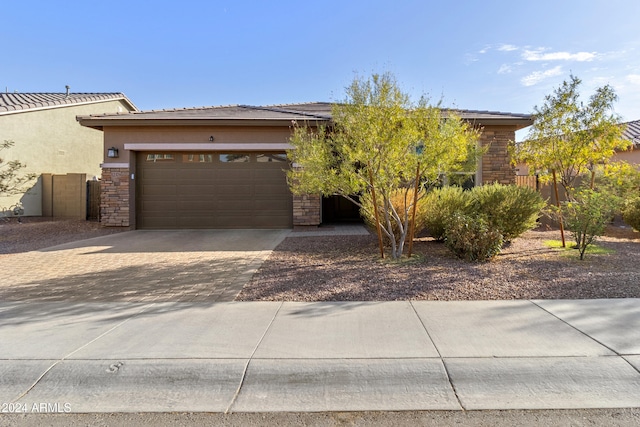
x: 212, y: 190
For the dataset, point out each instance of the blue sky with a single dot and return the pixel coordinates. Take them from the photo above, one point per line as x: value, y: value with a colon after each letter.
x: 485, y: 55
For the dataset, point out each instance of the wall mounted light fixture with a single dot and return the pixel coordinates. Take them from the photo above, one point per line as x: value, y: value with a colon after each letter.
x: 112, y: 153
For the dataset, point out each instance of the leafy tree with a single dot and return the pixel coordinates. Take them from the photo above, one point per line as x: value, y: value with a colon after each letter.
x: 380, y: 143
x: 588, y: 215
x: 620, y: 178
x: 569, y: 137
x: 11, y: 181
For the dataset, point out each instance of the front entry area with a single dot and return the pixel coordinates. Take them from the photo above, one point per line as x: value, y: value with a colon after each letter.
x: 187, y: 190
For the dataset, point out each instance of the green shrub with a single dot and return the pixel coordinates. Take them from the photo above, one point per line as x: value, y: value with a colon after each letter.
x: 631, y: 213
x: 587, y: 216
x: 510, y: 209
x: 619, y: 178
x: 472, y: 237
x: 438, y: 206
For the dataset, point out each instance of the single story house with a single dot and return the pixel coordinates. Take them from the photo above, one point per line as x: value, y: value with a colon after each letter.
x: 224, y: 167
x: 48, y: 139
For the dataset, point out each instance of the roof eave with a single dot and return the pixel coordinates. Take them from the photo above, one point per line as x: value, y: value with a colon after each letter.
x: 518, y: 123
x: 100, y: 123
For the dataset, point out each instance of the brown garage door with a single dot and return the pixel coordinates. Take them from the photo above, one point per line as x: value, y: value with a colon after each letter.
x: 212, y: 190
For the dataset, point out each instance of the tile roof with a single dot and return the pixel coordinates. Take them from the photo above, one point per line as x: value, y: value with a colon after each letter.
x: 632, y: 132
x: 20, y: 102
x: 282, y: 113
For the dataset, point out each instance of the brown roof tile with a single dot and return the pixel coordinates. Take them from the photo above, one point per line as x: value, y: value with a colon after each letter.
x: 283, y: 113
x: 632, y: 132
x: 18, y: 102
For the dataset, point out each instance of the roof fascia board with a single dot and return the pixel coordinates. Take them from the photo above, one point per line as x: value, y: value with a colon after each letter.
x: 98, y: 123
x: 252, y: 146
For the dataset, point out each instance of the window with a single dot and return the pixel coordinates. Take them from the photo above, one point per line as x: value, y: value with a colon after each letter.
x: 234, y: 158
x: 271, y: 158
x: 160, y: 157
x: 197, y: 158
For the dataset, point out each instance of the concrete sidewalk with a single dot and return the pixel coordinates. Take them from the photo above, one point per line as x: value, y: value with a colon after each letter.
x: 333, y: 356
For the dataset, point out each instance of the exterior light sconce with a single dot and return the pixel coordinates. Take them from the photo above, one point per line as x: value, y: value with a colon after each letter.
x: 211, y: 138
x: 112, y: 153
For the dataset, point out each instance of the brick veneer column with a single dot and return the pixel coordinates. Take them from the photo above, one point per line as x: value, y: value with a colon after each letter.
x: 496, y: 162
x: 114, y: 197
x: 306, y: 210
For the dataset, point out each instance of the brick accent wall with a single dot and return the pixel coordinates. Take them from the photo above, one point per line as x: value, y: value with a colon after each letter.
x: 496, y: 162
x: 114, y: 197
x: 306, y: 210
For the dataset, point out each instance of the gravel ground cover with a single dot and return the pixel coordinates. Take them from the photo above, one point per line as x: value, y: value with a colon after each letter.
x: 347, y: 268
x: 34, y: 233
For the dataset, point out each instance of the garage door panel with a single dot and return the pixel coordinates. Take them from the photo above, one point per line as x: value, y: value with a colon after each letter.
x: 234, y: 191
x: 159, y: 206
x: 238, y: 220
x: 197, y: 173
x: 207, y: 207
x: 240, y: 206
x: 196, y: 222
x: 165, y: 175
x: 182, y: 194
x: 194, y: 191
x: 169, y: 190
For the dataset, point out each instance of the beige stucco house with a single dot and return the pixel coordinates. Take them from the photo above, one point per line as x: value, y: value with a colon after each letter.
x: 224, y: 167
x: 48, y: 138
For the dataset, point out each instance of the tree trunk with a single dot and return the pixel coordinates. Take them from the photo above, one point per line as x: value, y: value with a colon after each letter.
x: 555, y: 188
x: 413, y: 211
x: 375, y: 212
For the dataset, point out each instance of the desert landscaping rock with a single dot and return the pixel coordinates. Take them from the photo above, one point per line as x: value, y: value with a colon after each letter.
x: 348, y: 268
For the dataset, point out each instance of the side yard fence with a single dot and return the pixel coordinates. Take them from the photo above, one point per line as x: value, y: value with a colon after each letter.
x: 528, y: 181
x: 70, y: 196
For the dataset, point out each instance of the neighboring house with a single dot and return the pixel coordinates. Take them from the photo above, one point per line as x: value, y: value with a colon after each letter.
x: 224, y: 167
x: 48, y: 139
x: 632, y: 134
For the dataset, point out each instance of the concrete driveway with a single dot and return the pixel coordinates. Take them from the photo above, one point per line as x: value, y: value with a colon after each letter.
x: 140, y: 266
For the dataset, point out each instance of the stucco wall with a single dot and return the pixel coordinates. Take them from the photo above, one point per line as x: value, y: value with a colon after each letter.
x: 119, y: 136
x: 52, y: 141
x: 630, y: 156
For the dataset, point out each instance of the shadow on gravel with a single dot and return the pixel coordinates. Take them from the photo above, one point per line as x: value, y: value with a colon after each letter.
x: 347, y: 269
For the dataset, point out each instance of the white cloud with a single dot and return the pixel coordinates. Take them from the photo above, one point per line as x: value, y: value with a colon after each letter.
x: 634, y: 79
x: 507, y: 48
x: 505, y: 69
x: 537, y: 76
x: 539, y: 55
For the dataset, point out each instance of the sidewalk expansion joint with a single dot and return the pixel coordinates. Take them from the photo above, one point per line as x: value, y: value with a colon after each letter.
x: 444, y: 365
x: 575, y: 328
x: 62, y: 359
x: 246, y: 366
